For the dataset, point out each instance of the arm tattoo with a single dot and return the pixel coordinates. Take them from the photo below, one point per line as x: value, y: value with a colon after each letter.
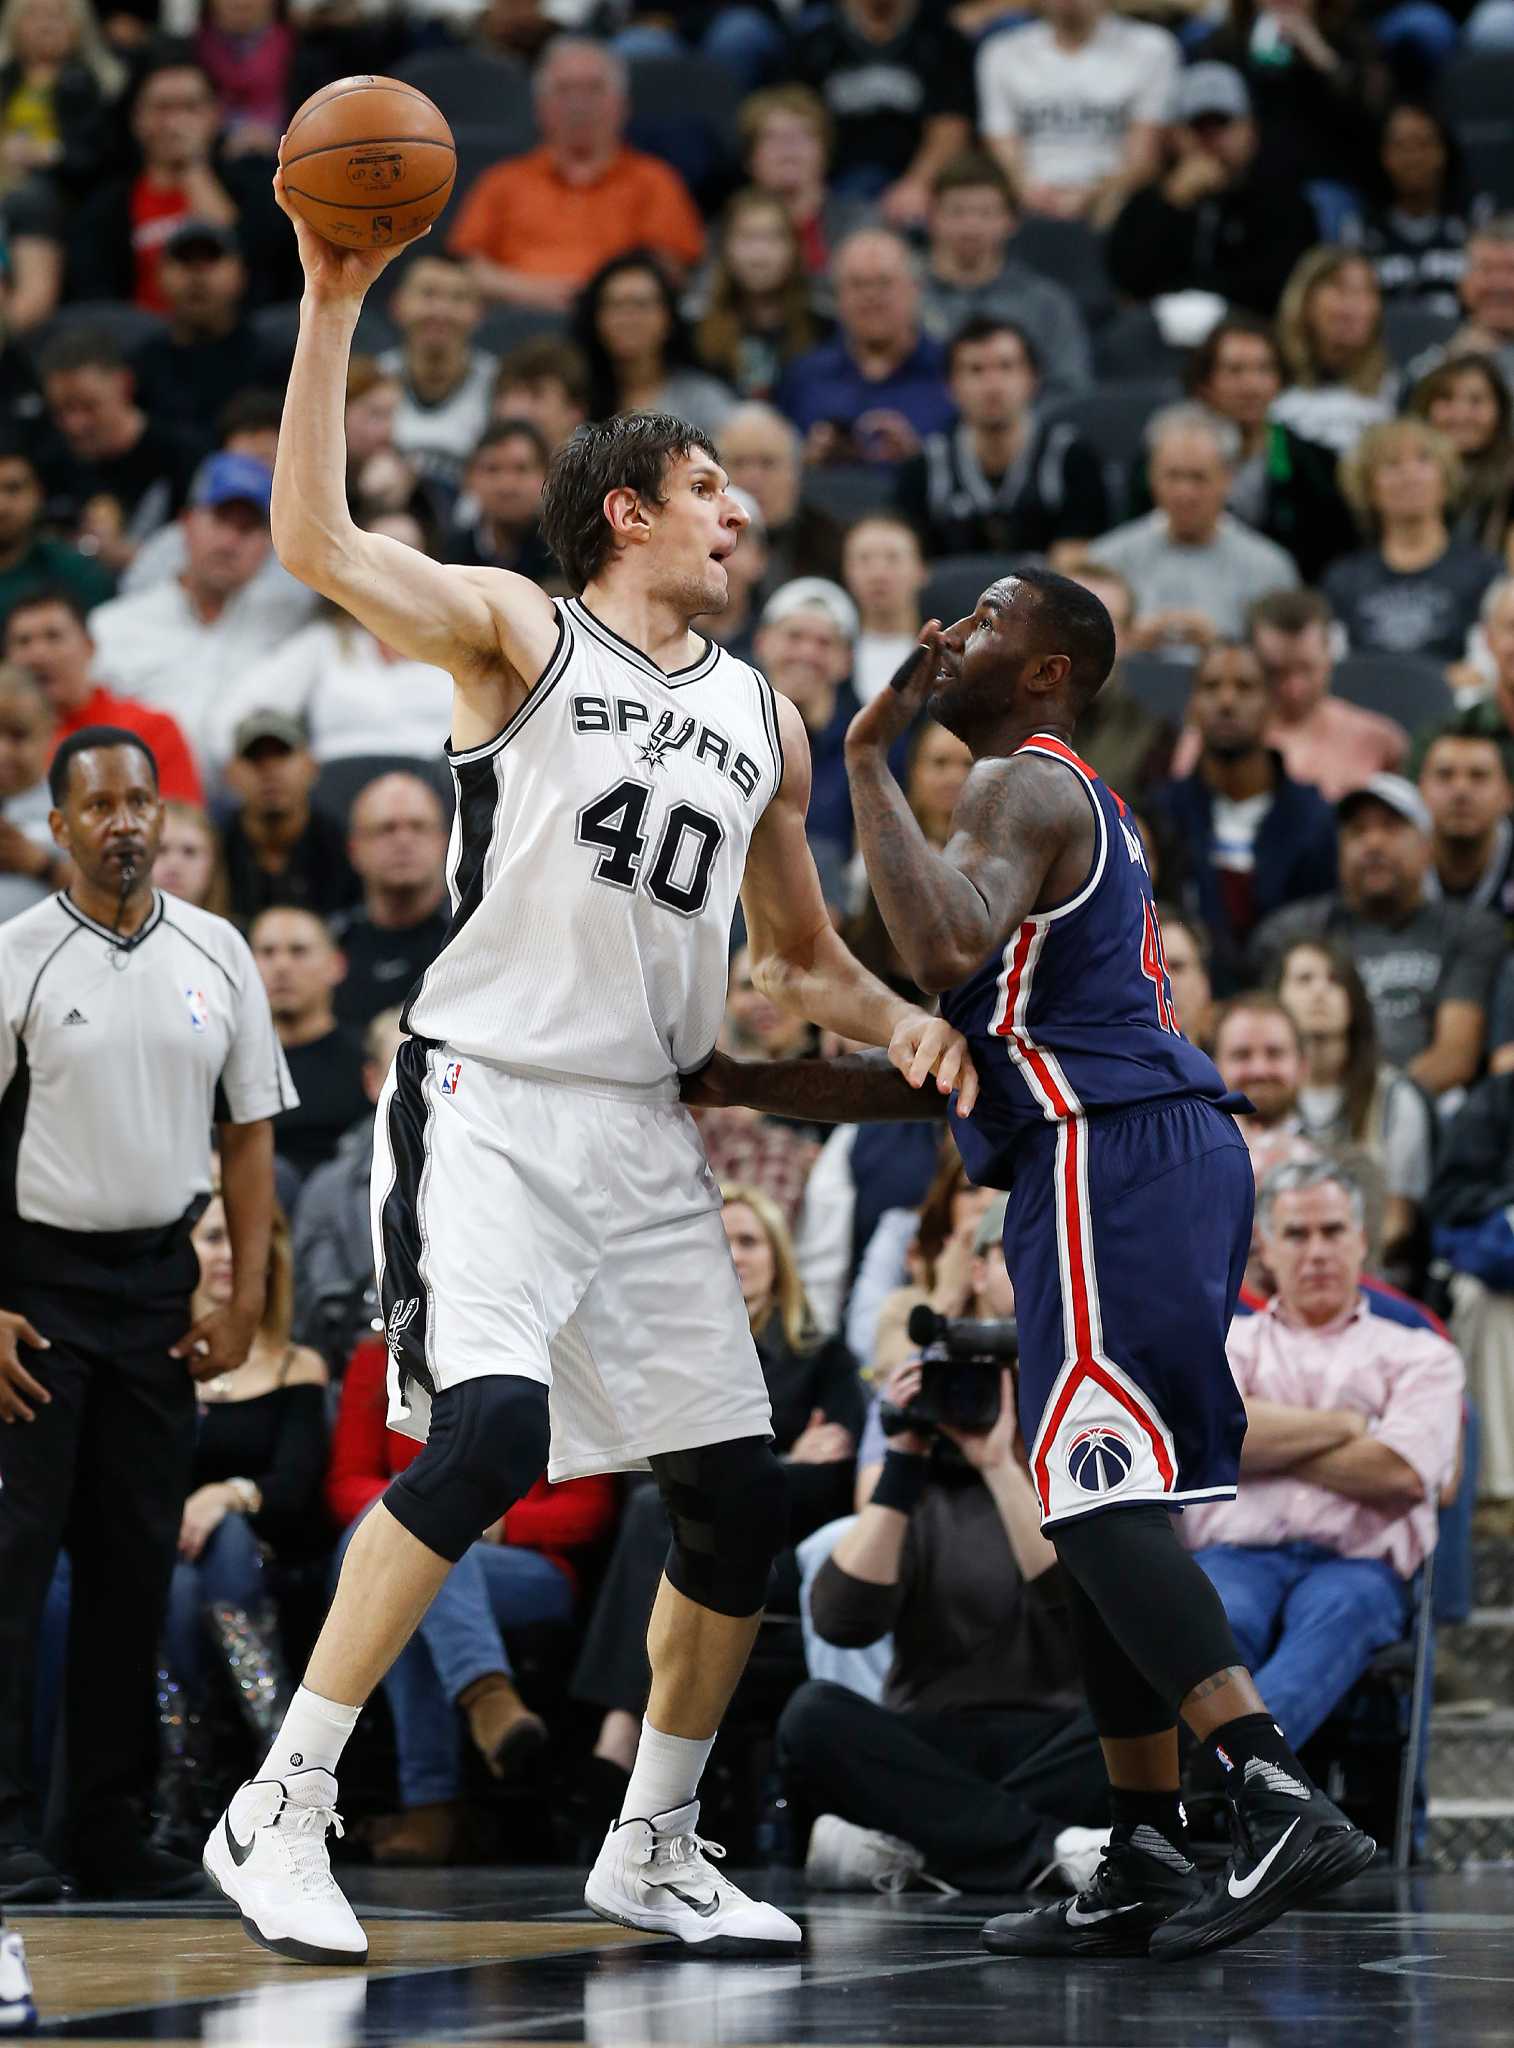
x: 1218, y: 1682
x: 857, y: 1087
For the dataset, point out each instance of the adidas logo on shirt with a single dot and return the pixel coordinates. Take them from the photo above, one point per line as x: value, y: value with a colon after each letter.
x: 76, y: 1017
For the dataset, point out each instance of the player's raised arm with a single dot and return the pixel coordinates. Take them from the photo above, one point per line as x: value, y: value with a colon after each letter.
x: 947, y: 911
x: 799, y: 959
x: 481, y: 623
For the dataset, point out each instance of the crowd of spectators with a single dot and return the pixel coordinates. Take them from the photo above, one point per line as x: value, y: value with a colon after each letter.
x: 1200, y: 302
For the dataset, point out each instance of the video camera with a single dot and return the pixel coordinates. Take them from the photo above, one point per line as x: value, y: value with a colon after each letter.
x: 961, y: 1363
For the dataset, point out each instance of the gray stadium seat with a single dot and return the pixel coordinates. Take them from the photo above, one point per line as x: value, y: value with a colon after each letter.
x: 1402, y: 686
x: 506, y: 327
x: 472, y: 87
x: 1411, y: 331
x: 340, y: 781
x: 684, y: 109
x: 129, y: 326
x: 1162, y: 686
x: 1068, y: 253
x: 1113, y: 417
x: 956, y: 582
x: 1475, y: 94
x: 850, y: 490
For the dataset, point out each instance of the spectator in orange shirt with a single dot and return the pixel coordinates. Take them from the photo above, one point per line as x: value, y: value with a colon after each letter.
x: 46, y: 634
x: 537, y: 227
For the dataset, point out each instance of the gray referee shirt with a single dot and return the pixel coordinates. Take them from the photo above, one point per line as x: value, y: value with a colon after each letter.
x: 116, y: 1056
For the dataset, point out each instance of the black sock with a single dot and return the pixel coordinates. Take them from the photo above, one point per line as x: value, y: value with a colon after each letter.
x: 1160, y: 1810
x: 1248, y: 1737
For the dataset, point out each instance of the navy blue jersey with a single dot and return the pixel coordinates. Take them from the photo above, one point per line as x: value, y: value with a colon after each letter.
x: 1075, y: 1015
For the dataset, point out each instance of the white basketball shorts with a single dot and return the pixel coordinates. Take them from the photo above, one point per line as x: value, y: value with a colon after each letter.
x: 566, y: 1232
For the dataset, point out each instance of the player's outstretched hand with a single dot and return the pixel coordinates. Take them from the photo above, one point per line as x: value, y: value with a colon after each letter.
x: 923, y: 1045
x: 894, y: 710
x: 333, y: 273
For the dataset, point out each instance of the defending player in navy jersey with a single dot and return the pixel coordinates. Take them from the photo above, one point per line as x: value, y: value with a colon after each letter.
x: 1126, y: 1237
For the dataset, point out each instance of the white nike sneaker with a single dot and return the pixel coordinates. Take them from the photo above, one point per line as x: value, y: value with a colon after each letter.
x: 18, y: 2015
x: 658, y: 1875
x: 267, y: 1854
x: 845, y: 1858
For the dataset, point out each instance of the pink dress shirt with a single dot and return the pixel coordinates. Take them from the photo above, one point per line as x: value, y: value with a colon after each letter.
x: 1409, y: 1385
x: 1337, y: 747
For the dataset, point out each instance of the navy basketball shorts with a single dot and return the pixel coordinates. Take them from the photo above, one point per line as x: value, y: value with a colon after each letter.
x: 1126, y: 1238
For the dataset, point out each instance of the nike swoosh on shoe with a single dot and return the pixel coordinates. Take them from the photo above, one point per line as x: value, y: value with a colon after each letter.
x: 1243, y: 1888
x: 1074, y: 1918
x: 239, y: 1855
x: 703, y: 1907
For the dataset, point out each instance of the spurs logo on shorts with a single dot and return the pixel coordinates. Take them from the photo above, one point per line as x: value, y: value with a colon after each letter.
x: 401, y: 1316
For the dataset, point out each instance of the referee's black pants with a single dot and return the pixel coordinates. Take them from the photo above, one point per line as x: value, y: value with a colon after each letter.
x: 103, y: 1471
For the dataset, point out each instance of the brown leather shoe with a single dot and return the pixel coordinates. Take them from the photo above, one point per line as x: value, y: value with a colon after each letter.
x: 507, y: 1733
x: 420, y: 1835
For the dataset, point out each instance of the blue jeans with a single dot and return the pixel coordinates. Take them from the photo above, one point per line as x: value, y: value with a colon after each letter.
x: 228, y: 1570
x: 492, y: 1587
x: 1307, y: 1623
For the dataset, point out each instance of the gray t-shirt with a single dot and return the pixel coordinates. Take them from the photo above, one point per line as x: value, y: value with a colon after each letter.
x: 1046, y: 313
x: 1221, y: 580
x: 1427, y: 611
x: 1440, y: 953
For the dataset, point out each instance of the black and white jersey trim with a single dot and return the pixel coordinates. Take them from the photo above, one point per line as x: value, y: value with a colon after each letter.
x: 675, y: 679
x: 768, y: 702
x: 551, y: 675
x: 126, y: 944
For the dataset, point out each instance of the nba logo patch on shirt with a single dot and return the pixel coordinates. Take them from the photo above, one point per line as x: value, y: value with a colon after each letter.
x: 199, y: 1009
x: 452, y: 1073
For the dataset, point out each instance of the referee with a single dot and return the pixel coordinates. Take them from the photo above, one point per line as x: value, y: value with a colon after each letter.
x: 129, y: 1023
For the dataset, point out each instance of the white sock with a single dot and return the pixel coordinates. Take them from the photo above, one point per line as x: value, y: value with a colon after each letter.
x: 312, y: 1738
x: 666, y: 1773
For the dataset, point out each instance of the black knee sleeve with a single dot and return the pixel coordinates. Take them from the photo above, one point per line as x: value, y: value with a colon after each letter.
x: 487, y: 1446
x: 1155, y: 1616
x: 729, y: 1506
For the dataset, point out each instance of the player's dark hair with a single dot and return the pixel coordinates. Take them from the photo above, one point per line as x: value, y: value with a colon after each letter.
x: 630, y: 452
x: 983, y: 327
x: 1072, y: 621
x: 82, y: 348
x: 513, y: 430
x: 85, y: 741
x: 36, y: 595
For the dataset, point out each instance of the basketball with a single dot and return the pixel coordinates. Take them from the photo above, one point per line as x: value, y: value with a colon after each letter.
x: 368, y: 162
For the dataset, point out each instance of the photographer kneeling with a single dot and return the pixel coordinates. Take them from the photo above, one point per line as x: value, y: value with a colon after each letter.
x: 982, y: 1755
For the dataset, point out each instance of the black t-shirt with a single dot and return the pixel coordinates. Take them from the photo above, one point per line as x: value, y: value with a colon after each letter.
x: 328, y: 1077
x: 383, y: 963
x: 1054, y: 491
x: 1429, y: 611
x: 149, y: 482
x: 880, y: 95
x: 317, y: 876
x: 186, y: 385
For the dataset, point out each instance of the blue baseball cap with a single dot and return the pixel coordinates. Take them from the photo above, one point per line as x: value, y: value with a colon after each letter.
x: 233, y: 480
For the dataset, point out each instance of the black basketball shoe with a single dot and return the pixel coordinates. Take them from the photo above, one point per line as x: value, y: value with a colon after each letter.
x: 1141, y: 1882
x: 1291, y: 1844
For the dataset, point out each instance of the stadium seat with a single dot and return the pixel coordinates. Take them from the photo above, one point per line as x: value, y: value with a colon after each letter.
x: 1402, y: 686
x: 506, y: 327
x: 1162, y: 686
x: 1131, y: 346
x: 1474, y: 94
x: 1068, y: 253
x: 474, y: 88
x: 1113, y: 417
x: 956, y: 582
x: 130, y: 326
x: 1411, y: 331
x: 850, y: 490
x: 340, y: 781
x: 685, y: 109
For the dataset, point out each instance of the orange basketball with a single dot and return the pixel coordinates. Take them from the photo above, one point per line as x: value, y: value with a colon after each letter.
x: 368, y: 162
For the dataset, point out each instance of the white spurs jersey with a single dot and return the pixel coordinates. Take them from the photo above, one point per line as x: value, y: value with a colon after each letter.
x: 596, y: 856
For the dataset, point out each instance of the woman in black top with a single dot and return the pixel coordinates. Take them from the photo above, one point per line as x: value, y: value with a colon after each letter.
x: 1467, y: 400
x: 818, y: 1407
x: 1419, y: 212
x: 260, y: 1458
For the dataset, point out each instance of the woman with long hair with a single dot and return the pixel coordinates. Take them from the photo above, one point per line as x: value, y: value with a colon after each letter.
x: 1419, y: 211
x: 1350, y: 1096
x: 58, y: 79
x: 1413, y: 589
x: 638, y: 347
x: 191, y: 861
x: 935, y: 768
x: 1330, y: 328
x: 1467, y: 400
x: 817, y: 1411
x: 758, y: 314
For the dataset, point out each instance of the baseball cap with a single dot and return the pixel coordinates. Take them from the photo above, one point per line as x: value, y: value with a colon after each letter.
x: 1211, y: 89
x: 990, y: 1226
x: 1393, y: 791
x: 202, y: 234
x: 813, y: 594
x: 280, y: 726
x: 233, y: 480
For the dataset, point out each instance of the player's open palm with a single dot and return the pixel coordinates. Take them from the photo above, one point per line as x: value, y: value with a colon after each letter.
x: 19, y: 1389
x: 331, y: 272
x: 923, y: 1045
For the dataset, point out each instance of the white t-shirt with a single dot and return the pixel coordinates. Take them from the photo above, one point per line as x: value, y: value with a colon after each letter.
x: 874, y: 659
x: 1237, y: 820
x: 353, y: 701
x: 1071, y: 110
x: 442, y: 436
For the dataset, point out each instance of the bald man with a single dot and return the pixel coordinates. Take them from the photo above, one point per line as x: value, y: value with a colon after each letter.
x: 397, y: 842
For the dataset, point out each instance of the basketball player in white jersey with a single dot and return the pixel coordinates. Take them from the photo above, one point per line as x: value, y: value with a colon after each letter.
x: 552, y: 1263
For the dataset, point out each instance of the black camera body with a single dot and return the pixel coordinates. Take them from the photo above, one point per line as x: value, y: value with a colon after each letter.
x: 961, y: 1367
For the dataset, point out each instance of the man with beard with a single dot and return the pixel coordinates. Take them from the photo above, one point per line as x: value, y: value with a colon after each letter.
x: 1255, y: 839
x: 1467, y: 792
x: 1428, y: 965
x: 279, y: 849
x: 1037, y: 927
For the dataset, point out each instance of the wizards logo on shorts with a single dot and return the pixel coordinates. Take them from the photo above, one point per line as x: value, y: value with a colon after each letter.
x: 1099, y: 1460
x: 199, y: 1009
x: 452, y: 1073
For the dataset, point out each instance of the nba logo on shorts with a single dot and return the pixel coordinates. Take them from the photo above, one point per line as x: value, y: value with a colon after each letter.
x: 452, y: 1073
x: 1099, y: 1460
x: 199, y: 1009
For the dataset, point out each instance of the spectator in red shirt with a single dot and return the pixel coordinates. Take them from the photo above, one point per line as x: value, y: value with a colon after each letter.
x: 46, y: 634
x: 519, y: 1572
x: 537, y: 227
